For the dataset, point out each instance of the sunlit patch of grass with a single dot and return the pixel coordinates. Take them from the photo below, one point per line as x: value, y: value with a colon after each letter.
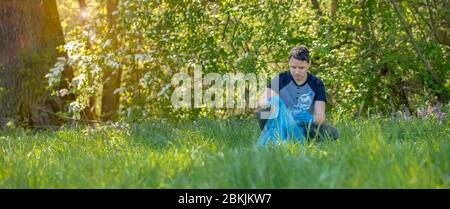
x: 382, y: 153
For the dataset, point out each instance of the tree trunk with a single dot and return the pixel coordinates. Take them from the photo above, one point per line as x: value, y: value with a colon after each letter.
x: 111, y: 77
x: 404, y: 102
x: 316, y: 5
x: 30, y: 31
x: 333, y: 7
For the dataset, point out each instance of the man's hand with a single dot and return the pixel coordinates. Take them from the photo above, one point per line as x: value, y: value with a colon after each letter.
x: 319, y: 112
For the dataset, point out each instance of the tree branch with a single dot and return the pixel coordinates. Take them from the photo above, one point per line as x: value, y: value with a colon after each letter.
x: 413, y: 42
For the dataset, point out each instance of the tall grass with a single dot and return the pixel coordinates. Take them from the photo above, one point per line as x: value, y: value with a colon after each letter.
x: 381, y: 153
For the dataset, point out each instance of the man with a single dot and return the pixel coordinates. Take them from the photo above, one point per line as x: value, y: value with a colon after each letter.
x: 303, y: 94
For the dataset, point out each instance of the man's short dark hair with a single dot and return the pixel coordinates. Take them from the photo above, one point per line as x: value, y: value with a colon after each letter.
x: 299, y: 52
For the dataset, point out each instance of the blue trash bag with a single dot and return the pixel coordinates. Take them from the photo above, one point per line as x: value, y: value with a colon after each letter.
x: 281, y: 125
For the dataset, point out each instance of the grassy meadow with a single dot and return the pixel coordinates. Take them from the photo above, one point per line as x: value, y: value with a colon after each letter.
x: 378, y: 153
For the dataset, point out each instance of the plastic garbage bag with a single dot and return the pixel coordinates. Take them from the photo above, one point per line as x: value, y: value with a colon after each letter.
x: 281, y: 125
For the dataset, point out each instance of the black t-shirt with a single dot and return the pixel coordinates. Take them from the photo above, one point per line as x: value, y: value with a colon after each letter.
x: 298, y: 97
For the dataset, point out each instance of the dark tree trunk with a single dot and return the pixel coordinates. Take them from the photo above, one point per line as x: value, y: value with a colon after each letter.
x: 112, y: 77
x: 316, y: 6
x: 30, y: 31
x: 404, y: 102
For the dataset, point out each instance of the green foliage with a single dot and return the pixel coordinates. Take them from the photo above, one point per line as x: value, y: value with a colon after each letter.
x: 362, y: 52
x: 374, y: 153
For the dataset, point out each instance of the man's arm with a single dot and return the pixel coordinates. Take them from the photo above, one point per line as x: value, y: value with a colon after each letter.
x: 263, y: 101
x: 319, y: 112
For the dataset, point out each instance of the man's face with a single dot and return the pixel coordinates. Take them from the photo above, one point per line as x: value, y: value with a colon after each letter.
x: 298, y: 68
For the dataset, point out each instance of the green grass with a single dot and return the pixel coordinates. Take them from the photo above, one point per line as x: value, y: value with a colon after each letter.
x: 382, y: 153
